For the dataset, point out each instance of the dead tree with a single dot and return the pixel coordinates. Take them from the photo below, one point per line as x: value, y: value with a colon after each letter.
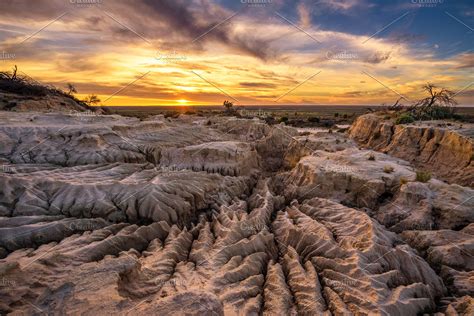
x: 443, y: 97
x: 396, y: 106
x: 437, y: 98
x: 15, y: 69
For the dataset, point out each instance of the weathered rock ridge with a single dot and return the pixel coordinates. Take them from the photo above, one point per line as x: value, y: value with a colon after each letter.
x: 448, y: 151
x: 221, y: 216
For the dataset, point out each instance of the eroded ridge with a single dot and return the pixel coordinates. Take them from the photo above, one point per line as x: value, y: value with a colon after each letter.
x: 116, y: 192
x: 226, y: 216
x: 361, y: 266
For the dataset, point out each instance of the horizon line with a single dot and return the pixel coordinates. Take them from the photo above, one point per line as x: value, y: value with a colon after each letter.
x: 263, y: 105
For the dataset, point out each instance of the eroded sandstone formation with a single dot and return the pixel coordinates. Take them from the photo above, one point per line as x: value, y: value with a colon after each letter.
x: 221, y: 216
x: 446, y: 150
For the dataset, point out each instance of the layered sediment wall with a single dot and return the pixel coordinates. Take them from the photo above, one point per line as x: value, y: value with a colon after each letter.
x: 446, y: 152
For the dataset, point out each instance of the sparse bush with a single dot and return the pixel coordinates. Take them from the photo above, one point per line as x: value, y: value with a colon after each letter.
x: 91, y: 100
x: 71, y: 89
x: 314, y: 119
x: 228, y: 106
x: 270, y: 120
x: 284, y: 119
x: 328, y: 123
x: 403, y: 180
x: 405, y: 118
x: 371, y: 157
x: 388, y: 169
x: 437, y: 113
x: 422, y: 176
x: 336, y: 114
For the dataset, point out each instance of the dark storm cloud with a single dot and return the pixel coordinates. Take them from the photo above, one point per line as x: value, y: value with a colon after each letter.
x: 197, y: 21
x: 204, y: 22
x: 187, y: 22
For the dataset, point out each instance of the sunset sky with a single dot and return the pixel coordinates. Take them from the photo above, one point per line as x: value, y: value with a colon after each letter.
x: 276, y: 52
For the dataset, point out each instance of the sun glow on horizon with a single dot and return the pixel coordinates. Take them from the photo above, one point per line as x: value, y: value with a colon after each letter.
x: 261, y: 61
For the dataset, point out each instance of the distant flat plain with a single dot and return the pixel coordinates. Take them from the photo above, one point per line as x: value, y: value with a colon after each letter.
x: 323, y: 111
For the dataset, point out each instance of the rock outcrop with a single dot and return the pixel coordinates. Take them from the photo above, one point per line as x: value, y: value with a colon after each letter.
x: 446, y: 151
x: 200, y: 216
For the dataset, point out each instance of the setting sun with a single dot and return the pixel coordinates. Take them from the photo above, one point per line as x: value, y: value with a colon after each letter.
x: 256, y: 58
